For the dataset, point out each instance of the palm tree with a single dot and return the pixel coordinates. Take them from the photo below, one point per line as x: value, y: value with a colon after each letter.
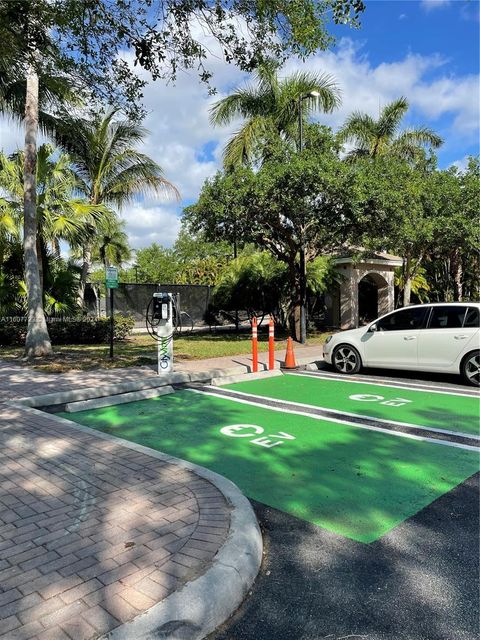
x: 270, y: 107
x: 61, y: 214
x: 111, y: 244
x: 110, y: 169
x: 25, y: 96
x: 373, y: 138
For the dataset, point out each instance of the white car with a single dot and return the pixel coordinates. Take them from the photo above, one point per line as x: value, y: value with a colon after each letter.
x: 443, y: 338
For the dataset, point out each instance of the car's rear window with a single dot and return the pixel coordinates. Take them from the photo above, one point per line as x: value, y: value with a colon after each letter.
x: 447, y: 317
x: 472, y: 319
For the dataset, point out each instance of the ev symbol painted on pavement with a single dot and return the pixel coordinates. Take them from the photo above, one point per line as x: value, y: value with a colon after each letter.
x: 367, y: 397
x: 252, y: 430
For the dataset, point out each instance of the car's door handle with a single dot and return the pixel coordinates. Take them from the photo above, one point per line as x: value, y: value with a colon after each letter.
x: 409, y: 337
x: 460, y: 337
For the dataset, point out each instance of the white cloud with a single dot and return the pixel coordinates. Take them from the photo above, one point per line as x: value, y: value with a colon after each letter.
x: 429, y: 5
x: 402, y: 16
x: 461, y: 164
x: 147, y: 224
x: 178, y: 119
x: 367, y: 88
x: 458, y: 96
x: 11, y: 135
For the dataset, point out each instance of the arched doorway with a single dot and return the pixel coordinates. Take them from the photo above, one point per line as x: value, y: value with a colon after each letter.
x: 380, y: 271
x: 372, y: 297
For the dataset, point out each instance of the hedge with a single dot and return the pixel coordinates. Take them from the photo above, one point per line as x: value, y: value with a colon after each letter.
x: 68, y: 331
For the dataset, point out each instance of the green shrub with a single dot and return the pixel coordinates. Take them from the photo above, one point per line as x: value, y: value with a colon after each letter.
x: 12, y: 333
x: 65, y: 331
x: 123, y: 326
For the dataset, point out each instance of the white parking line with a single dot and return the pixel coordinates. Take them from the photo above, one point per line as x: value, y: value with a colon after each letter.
x: 460, y: 434
x: 346, y: 422
x: 393, y: 385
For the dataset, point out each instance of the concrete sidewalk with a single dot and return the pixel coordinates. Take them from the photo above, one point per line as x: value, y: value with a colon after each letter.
x: 95, y: 532
x: 243, y: 363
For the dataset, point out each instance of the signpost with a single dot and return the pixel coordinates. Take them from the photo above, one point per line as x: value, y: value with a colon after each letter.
x: 111, y: 282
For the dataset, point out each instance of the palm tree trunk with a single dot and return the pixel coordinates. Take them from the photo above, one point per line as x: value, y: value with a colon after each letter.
x: 40, y: 262
x: 457, y: 272
x: 86, y: 268
x: 407, y: 280
x: 37, y: 342
x: 296, y: 302
x: 56, y: 247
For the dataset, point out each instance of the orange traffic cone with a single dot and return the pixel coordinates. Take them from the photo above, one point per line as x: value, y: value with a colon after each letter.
x: 290, y: 356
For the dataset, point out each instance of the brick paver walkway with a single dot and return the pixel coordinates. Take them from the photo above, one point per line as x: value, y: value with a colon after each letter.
x: 91, y: 533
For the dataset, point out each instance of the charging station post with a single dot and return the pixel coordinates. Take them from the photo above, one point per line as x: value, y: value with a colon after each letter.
x: 160, y: 326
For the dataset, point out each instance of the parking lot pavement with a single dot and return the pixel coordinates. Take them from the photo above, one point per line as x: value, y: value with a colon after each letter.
x: 91, y: 533
x: 417, y: 582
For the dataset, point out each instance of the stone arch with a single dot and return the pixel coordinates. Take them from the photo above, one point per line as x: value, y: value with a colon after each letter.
x: 380, y: 270
x: 373, y: 296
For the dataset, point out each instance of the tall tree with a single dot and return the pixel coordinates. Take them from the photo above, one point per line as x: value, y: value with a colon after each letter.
x: 110, y: 169
x: 60, y: 213
x: 29, y: 54
x: 82, y: 39
x: 373, y: 138
x: 111, y: 243
x: 155, y: 264
x: 396, y: 202
x: 455, y: 196
x: 271, y: 107
x: 295, y: 202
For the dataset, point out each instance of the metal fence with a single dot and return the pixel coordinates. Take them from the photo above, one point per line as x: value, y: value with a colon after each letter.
x: 133, y: 299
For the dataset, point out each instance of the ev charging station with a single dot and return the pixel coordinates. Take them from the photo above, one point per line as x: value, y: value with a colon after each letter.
x: 160, y: 326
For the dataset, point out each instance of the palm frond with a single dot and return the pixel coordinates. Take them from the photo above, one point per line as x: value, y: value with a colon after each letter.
x: 133, y: 173
x: 106, y: 163
x: 55, y: 92
x: 408, y: 142
x: 302, y: 83
x: 357, y: 153
x: 242, y: 103
x: 391, y: 117
x: 8, y: 222
x: 358, y: 128
x: 242, y: 145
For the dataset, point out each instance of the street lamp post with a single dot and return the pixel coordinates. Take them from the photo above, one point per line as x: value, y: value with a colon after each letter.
x: 303, y: 271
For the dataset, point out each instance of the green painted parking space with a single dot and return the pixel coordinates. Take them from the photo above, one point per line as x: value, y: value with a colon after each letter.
x: 354, y: 482
x: 424, y: 408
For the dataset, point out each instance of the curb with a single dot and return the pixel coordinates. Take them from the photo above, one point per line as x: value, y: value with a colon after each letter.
x: 246, y: 377
x: 151, y: 382
x: 124, y: 398
x: 203, y: 604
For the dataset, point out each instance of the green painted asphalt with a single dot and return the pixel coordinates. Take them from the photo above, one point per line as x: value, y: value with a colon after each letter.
x: 440, y: 411
x: 356, y: 483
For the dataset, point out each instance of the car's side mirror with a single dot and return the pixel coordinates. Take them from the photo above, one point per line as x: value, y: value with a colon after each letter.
x: 373, y: 327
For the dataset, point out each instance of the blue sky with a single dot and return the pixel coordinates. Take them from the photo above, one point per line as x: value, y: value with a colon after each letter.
x: 425, y: 50
x: 391, y: 30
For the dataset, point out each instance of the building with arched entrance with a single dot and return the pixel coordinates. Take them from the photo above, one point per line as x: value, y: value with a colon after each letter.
x: 365, y: 290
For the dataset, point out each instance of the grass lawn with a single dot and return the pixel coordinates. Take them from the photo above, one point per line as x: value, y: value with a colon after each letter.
x: 140, y: 350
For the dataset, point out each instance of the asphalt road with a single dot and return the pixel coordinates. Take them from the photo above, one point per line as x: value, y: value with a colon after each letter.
x: 418, y: 582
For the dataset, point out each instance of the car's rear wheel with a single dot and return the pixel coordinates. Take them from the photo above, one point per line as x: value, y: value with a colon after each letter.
x: 470, y: 368
x: 346, y: 359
